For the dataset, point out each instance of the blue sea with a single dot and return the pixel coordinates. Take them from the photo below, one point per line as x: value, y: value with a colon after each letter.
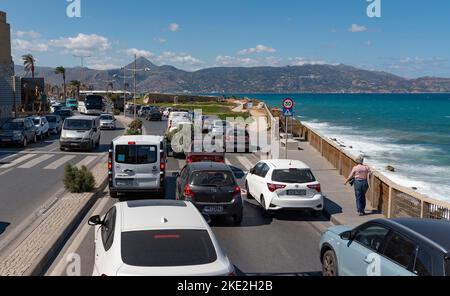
x: 410, y: 132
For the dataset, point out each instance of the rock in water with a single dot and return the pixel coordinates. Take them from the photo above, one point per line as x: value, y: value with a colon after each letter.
x: 390, y: 168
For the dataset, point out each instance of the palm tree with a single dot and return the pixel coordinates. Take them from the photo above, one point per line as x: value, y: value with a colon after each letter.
x: 77, y: 85
x: 29, y: 63
x: 61, y: 70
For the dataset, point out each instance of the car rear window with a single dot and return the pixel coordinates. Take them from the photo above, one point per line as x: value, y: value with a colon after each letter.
x: 293, y: 176
x: 51, y: 119
x: 166, y: 248
x: 212, y: 178
x: 106, y: 117
x: 136, y: 154
x: 37, y: 121
x: 78, y: 124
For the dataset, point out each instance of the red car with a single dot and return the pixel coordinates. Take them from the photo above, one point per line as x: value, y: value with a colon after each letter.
x: 192, y: 157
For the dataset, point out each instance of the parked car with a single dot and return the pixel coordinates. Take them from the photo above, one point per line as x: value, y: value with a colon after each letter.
x: 55, y: 107
x: 18, y: 132
x: 154, y: 114
x: 175, y: 117
x: 64, y: 113
x: 137, y: 164
x: 55, y: 123
x: 220, y: 128
x: 143, y: 111
x: 202, y: 156
x: 107, y: 121
x: 80, y: 133
x: 284, y: 184
x: 212, y: 187
x: 42, y: 127
x: 382, y: 247
x: 156, y: 238
x: 166, y: 112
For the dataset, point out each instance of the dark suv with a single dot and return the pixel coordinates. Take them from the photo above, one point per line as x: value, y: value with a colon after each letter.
x: 18, y: 132
x: 212, y: 187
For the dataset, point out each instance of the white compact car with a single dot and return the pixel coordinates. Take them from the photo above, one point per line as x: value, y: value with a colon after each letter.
x: 284, y: 184
x: 156, y: 238
x: 42, y: 127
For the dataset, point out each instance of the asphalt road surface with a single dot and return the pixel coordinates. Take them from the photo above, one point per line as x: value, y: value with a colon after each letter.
x: 32, y: 178
x: 286, y: 243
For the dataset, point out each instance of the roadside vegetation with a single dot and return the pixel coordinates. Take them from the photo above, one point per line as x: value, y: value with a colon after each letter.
x: 78, y: 180
x: 134, y: 128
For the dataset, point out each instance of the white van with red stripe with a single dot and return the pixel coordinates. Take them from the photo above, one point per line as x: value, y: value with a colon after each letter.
x: 137, y: 164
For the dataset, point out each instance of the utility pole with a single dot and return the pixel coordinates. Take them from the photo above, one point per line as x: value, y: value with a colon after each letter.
x: 124, y: 90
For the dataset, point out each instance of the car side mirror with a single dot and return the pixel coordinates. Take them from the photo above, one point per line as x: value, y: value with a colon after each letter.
x: 95, y: 220
x: 347, y: 235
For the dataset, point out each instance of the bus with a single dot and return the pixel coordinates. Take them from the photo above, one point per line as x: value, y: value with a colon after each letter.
x: 92, y: 105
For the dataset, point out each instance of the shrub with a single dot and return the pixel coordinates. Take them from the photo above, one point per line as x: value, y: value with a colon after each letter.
x: 78, y: 180
x: 116, y: 112
x: 133, y: 132
x: 135, y: 124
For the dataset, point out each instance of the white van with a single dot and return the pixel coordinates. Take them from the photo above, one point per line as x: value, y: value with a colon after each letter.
x: 80, y: 133
x: 137, y: 164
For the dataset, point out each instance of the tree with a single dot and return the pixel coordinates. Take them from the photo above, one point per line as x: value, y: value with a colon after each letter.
x: 61, y: 70
x: 77, y: 85
x: 29, y: 63
x: 110, y: 85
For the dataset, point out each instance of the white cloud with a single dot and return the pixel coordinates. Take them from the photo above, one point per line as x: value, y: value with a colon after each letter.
x: 161, y: 40
x: 103, y: 66
x: 357, y: 28
x: 83, y: 42
x: 178, y: 58
x: 139, y: 53
x: 30, y: 34
x: 300, y: 61
x: 258, y: 49
x: 174, y: 27
x: 28, y: 46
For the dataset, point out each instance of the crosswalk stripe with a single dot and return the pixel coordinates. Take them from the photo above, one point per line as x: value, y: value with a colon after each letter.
x: 86, y: 161
x: 5, y: 157
x: 55, y: 165
x: 245, y: 162
x: 17, y: 161
x: 36, y: 161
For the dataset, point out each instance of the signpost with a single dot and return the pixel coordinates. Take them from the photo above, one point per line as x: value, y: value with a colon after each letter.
x: 288, y: 111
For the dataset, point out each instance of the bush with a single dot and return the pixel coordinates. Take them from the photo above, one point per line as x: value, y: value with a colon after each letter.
x: 135, y: 125
x: 116, y: 112
x: 78, y: 180
x: 133, y: 132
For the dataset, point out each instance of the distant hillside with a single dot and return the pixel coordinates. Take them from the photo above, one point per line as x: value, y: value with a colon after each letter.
x: 289, y: 79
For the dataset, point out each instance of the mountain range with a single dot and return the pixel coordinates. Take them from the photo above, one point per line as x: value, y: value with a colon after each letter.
x: 229, y: 80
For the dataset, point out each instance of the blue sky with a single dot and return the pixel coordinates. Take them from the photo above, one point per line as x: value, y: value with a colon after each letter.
x: 410, y: 38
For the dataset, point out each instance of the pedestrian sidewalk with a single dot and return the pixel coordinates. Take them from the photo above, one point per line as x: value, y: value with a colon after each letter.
x: 340, y: 202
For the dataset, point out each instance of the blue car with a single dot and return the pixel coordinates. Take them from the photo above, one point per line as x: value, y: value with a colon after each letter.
x: 382, y: 247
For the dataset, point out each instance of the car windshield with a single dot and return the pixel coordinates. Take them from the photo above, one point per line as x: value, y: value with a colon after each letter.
x: 51, y: 119
x: 166, y: 248
x: 78, y: 124
x: 106, y: 117
x: 36, y: 121
x: 212, y: 178
x: 293, y: 176
x: 136, y: 154
x: 13, y: 126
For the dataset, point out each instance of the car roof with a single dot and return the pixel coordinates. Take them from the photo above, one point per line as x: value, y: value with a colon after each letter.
x: 124, y: 140
x: 287, y: 164
x: 160, y: 214
x: 82, y: 117
x: 435, y: 231
x: 206, y: 165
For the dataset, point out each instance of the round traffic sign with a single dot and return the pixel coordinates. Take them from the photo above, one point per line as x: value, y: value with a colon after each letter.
x: 288, y: 104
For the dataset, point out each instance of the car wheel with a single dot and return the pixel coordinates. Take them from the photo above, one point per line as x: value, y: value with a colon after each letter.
x: 249, y: 196
x: 237, y: 219
x: 329, y: 264
x: 24, y: 142
x: 264, y: 212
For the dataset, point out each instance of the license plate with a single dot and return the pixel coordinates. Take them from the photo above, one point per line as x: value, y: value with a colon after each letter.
x: 125, y: 182
x: 74, y: 144
x: 213, y: 209
x: 296, y: 192
x: 6, y: 140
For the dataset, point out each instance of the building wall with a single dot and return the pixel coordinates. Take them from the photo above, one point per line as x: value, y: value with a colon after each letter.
x: 7, y: 82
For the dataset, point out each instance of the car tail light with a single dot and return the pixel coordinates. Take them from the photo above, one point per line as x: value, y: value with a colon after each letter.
x: 131, y: 143
x: 189, y: 159
x: 162, y: 166
x: 188, y: 192
x: 275, y: 187
x: 110, y: 161
x: 237, y: 191
x: 315, y: 187
x: 219, y: 159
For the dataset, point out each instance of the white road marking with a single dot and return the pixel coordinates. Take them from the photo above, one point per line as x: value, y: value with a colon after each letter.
x: 17, y: 161
x: 227, y: 161
x: 245, y: 162
x: 5, y: 157
x: 59, y: 269
x: 55, y: 165
x: 86, y: 161
x: 36, y: 161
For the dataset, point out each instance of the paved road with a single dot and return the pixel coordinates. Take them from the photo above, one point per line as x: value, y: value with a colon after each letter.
x: 284, y: 244
x: 31, y: 179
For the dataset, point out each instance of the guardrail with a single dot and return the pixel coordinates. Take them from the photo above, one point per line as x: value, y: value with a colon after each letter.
x: 390, y: 198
